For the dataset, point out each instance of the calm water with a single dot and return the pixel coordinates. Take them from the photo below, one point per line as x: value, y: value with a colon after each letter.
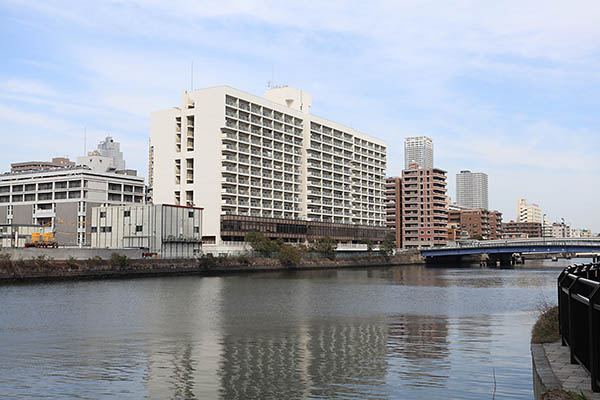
x: 406, y: 332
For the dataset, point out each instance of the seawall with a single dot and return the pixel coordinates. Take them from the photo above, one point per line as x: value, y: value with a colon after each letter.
x: 37, y: 268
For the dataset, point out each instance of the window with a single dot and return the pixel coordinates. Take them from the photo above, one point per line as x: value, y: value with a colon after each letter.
x: 138, y: 228
x: 102, y: 214
x: 196, y: 229
x: 191, y: 214
x: 127, y: 213
x: 94, y: 229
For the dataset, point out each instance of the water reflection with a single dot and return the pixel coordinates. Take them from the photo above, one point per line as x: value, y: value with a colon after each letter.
x: 408, y: 332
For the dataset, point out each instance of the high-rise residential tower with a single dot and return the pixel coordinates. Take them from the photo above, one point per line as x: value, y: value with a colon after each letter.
x: 528, y: 212
x: 267, y: 165
x: 424, y: 207
x: 393, y: 207
x: 472, y: 189
x: 418, y: 150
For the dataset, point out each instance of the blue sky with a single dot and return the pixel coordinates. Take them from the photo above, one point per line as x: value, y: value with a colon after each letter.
x: 508, y: 88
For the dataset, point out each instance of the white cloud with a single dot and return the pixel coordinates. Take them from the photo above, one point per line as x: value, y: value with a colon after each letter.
x: 388, y: 68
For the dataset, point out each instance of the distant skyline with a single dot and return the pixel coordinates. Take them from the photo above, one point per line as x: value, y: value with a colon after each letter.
x: 508, y: 89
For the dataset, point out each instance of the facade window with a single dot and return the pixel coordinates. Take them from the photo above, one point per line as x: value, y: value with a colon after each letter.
x: 94, y: 229
x: 102, y: 214
x: 191, y: 214
x: 138, y: 228
x: 127, y: 213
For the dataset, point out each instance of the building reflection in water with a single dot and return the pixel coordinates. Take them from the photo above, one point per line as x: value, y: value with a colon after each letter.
x: 322, y: 360
x: 183, y: 357
x: 418, y: 350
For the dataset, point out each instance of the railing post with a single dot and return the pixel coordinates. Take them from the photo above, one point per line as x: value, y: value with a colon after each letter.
x: 593, y: 340
x: 561, y: 277
x: 571, y: 336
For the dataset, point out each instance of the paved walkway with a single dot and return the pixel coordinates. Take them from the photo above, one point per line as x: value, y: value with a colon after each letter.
x: 571, y: 377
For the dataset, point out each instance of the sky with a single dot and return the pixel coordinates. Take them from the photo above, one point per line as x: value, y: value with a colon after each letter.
x: 507, y: 88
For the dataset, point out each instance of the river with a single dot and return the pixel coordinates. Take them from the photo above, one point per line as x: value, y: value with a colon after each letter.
x: 381, y: 333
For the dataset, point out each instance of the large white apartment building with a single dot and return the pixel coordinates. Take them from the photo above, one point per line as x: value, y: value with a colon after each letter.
x: 418, y: 150
x: 236, y: 154
x: 472, y: 189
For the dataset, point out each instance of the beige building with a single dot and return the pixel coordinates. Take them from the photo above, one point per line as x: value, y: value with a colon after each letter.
x: 528, y: 212
x: 264, y: 159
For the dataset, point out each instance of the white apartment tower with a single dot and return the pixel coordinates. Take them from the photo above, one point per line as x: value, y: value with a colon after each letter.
x: 472, y: 189
x: 418, y: 150
x: 528, y: 212
x: 236, y: 154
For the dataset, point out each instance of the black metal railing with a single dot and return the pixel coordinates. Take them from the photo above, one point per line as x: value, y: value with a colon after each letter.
x: 579, y: 316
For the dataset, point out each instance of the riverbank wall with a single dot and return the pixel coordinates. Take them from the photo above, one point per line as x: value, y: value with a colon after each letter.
x: 40, y: 267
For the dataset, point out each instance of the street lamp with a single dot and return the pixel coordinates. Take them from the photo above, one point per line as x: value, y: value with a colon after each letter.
x: 544, y: 228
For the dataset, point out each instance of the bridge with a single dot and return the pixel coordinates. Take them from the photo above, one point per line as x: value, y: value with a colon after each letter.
x: 504, y: 249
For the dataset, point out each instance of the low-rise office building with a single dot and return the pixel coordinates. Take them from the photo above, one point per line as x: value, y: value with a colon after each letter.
x: 169, y: 231
x: 61, y: 199
x: 479, y: 223
x: 28, y: 166
x: 531, y: 229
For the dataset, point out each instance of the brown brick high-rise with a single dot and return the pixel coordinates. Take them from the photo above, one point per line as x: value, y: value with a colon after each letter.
x: 424, y: 207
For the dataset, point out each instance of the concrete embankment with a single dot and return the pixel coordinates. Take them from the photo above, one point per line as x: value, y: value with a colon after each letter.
x: 42, y: 268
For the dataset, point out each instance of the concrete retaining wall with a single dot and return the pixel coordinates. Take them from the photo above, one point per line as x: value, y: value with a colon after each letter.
x: 543, y: 375
x: 63, y: 253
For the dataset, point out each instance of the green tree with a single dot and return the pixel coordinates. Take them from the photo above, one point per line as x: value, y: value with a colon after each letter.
x: 262, y: 244
x: 388, y: 245
x: 326, y: 246
x: 288, y: 255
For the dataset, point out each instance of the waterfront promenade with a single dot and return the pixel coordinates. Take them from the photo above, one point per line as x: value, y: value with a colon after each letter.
x: 553, y: 370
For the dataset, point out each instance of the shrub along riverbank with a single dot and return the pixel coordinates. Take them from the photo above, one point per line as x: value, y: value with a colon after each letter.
x: 43, y: 268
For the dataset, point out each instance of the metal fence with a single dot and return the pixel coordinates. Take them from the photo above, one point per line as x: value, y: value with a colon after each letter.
x: 579, y: 316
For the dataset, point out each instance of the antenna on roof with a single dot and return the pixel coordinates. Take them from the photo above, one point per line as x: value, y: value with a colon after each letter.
x: 271, y: 83
x: 192, y: 77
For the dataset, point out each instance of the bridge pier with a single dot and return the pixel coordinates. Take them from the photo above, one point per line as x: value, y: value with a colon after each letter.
x: 500, y: 260
x: 455, y: 261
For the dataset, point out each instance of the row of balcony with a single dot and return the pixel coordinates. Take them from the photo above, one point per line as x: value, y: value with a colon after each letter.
x: 261, y: 111
x: 265, y: 137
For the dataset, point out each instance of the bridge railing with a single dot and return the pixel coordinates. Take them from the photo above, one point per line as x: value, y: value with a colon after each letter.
x: 579, y: 317
x: 527, y: 242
